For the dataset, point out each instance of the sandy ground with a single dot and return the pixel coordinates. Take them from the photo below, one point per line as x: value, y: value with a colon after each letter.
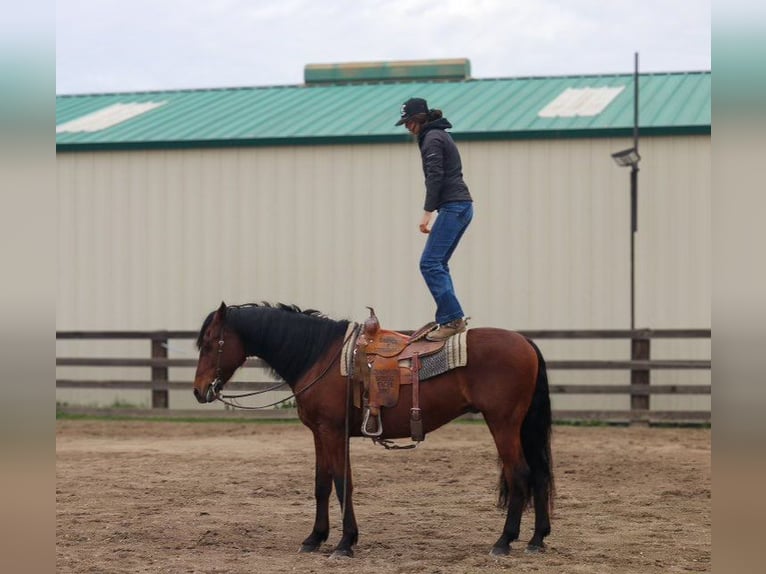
x: 238, y: 497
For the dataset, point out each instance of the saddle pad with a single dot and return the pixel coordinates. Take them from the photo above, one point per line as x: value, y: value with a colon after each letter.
x: 453, y: 355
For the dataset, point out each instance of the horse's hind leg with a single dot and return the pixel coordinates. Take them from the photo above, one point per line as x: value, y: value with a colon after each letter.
x: 542, y: 518
x: 514, y: 478
x: 322, y: 491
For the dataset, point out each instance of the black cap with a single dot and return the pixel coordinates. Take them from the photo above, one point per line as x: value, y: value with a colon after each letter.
x: 412, y: 107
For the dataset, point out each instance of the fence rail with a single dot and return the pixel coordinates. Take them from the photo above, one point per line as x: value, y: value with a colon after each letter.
x: 640, y: 367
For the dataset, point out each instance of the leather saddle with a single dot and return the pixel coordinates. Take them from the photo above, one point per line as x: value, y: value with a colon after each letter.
x: 384, y: 361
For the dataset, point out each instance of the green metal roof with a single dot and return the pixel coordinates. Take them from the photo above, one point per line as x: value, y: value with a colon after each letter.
x: 484, y: 109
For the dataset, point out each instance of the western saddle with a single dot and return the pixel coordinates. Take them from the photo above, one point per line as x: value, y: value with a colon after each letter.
x: 383, y: 362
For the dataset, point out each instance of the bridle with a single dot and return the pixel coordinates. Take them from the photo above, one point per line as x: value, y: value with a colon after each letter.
x: 216, y: 386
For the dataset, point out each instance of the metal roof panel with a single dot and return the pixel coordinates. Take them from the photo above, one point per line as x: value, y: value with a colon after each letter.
x: 501, y: 108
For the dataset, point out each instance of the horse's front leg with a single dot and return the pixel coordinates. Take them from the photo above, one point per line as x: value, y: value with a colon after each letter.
x: 322, y: 490
x: 338, y: 452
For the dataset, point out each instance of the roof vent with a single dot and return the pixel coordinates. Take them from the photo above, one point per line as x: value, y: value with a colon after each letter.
x: 406, y: 70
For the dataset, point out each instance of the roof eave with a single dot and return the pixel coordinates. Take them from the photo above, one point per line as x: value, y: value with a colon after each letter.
x: 379, y: 139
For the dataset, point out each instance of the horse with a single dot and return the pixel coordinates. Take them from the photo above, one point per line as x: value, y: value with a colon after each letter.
x: 505, y: 379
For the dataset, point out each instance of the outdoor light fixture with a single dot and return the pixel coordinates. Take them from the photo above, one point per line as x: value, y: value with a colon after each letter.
x: 627, y: 157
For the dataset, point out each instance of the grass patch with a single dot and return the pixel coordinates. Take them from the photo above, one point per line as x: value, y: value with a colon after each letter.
x: 62, y: 416
x: 121, y: 404
x: 686, y: 425
x: 587, y: 423
x: 66, y: 416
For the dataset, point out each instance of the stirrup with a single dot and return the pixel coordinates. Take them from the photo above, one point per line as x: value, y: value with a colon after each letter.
x: 372, y: 434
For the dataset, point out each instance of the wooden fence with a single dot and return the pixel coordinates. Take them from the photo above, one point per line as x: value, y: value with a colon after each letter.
x: 640, y: 366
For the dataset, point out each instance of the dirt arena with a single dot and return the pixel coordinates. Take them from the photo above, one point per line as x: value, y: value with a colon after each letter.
x: 238, y: 497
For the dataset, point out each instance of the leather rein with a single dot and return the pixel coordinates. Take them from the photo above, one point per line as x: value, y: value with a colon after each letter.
x: 217, y: 386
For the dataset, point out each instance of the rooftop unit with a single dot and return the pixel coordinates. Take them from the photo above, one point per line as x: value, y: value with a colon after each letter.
x: 401, y: 71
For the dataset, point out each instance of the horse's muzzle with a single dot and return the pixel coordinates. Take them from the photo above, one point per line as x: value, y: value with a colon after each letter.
x: 211, y: 394
x: 199, y: 396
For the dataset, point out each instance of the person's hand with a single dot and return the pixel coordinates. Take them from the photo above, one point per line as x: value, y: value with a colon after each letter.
x: 425, y: 222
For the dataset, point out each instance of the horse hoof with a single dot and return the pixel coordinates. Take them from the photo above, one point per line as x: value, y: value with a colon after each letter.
x: 499, y: 551
x: 340, y: 554
x: 308, y: 548
x: 534, y: 549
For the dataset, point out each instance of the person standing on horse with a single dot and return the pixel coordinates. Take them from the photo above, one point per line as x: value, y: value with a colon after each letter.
x: 447, y: 194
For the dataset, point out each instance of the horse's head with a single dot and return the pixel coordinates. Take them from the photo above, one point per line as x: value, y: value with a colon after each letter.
x: 221, y: 352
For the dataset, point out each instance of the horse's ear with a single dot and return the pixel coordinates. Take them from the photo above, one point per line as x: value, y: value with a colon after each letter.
x: 221, y: 313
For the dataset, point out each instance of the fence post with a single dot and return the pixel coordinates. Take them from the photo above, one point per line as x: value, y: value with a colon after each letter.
x: 640, y: 350
x: 159, y: 374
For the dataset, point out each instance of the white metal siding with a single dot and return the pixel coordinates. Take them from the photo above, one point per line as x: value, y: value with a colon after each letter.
x: 156, y: 239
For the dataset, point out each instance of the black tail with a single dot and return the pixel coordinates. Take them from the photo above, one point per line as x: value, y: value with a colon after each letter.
x: 536, y: 443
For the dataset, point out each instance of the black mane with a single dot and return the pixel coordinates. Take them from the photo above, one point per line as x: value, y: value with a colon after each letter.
x: 289, y: 339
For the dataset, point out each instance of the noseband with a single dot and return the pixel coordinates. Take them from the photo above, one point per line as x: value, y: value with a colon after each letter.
x: 217, y: 384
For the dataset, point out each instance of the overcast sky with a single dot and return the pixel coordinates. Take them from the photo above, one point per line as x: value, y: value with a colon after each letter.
x: 137, y: 45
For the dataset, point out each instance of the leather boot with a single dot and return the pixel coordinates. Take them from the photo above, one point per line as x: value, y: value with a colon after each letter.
x: 447, y: 330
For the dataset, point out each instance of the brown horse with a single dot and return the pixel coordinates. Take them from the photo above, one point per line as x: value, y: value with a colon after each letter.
x: 505, y: 380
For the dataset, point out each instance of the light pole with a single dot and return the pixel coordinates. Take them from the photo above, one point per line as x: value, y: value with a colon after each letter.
x: 630, y: 158
x: 639, y: 343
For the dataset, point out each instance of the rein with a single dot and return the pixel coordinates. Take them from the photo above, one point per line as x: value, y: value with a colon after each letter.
x: 217, y: 385
x: 220, y: 397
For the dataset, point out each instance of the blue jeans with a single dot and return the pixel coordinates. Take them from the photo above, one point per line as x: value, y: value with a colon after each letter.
x: 446, y: 232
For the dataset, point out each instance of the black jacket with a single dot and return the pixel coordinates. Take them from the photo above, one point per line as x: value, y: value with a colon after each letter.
x: 441, y: 166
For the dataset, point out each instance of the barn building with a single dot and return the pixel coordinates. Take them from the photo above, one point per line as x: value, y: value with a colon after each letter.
x: 172, y: 201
